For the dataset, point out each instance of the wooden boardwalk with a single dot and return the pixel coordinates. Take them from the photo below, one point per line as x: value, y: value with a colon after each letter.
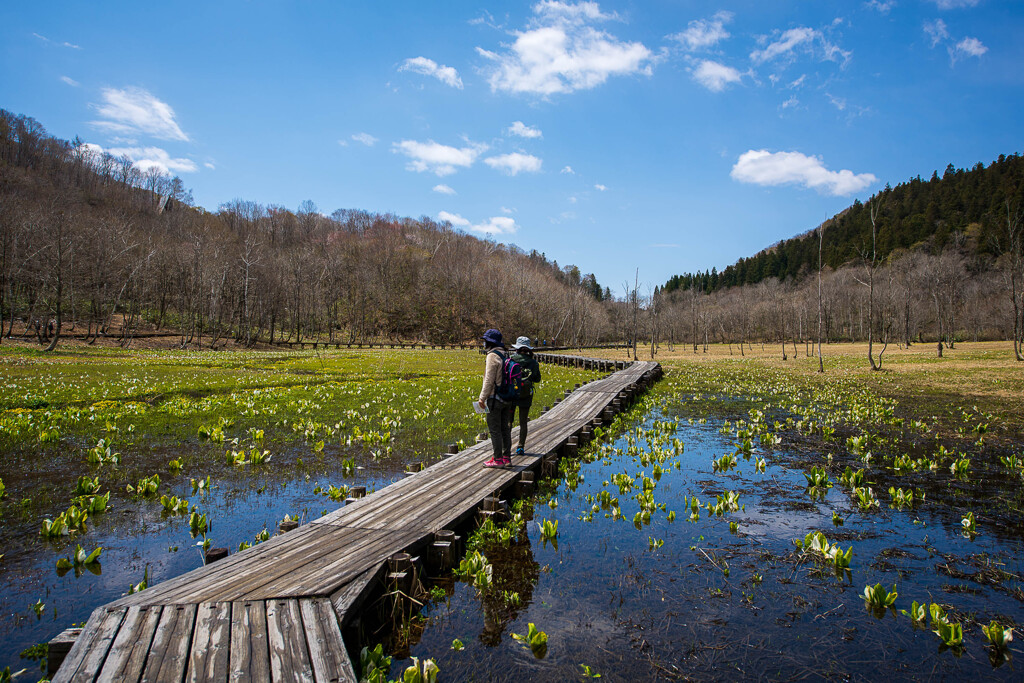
x: 277, y: 611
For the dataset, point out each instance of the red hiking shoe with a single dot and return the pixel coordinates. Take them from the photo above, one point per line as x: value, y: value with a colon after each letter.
x: 498, y: 462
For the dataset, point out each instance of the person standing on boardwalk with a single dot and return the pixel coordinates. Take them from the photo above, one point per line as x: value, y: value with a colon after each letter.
x: 499, y: 413
x: 523, y: 354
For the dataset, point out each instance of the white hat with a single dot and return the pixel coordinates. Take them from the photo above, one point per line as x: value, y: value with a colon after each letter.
x: 522, y: 343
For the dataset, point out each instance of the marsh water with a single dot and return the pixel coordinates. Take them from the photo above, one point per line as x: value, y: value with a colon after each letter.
x: 712, y: 603
x: 708, y: 602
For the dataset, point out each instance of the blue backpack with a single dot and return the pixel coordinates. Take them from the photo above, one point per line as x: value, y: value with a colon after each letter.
x: 511, y: 378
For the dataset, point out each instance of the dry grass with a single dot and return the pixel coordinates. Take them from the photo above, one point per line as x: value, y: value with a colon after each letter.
x: 982, y: 374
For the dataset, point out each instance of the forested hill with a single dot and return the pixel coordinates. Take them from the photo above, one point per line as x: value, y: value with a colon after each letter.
x: 93, y: 244
x: 919, y: 213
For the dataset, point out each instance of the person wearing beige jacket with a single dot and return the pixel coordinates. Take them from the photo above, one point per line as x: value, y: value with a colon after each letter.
x: 499, y: 413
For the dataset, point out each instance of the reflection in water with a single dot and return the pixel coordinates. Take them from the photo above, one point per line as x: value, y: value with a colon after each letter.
x: 515, y: 574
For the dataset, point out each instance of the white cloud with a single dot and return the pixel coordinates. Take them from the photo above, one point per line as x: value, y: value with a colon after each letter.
x: 428, y: 67
x: 704, y: 33
x: 568, y: 170
x: 514, y: 163
x: 453, y: 218
x: 495, y: 225
x: 954, y: 4
x: 600, y: 188
x: 714, y: 76
x: 837, y: 102
x: 439, y: 159
x: 798, y: 82
x: 561, y: 52
x: 762, y: 167
x: 936, y: 30
x: 70, y: 81
x: 146, y: 158
x: 134, y: 110
x: 572, y: 200
x: 505, y: 209
x: 53, y: 42
x: 969, y: 47
x: 209, y: 165
x: 787, y: 44
x: 883, y: 7
x: 791, y: 102
x: 343, y: 143
x: 522, y: 130
x: 443, y: 189
x: 365, y: 138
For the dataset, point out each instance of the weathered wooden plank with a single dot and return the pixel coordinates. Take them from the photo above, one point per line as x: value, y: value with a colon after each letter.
x: 168, y: 654
x: 327, y: 652
x: 289, y: 659
x: 211, y: 644
x: 128, y: 653
x: 178, y: 588
x: 342, y: 566
x: 250, y: 656
x: 348, y: 599
x: 86, y: 656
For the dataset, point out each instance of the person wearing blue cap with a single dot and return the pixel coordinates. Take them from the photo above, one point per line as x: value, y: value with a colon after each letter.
x: 499, y: 413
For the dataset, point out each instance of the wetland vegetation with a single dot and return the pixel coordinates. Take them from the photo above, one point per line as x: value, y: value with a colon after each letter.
x: 747, y: 517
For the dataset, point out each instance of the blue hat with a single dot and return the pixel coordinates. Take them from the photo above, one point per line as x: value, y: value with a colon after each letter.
x: 492, y: 337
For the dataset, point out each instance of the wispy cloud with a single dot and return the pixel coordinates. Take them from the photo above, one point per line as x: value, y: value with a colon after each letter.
x: 495, y: 225
x: 968, y: 47
x: 600, y: 188
x: 428, y: 67
x: 954, y: 4
x: 714, y: 76
x: 436, y: 158
x: 784, y: 46
x: 443, y: 189
x: 761, y: 167
x: 70, y: 81
x: 514, y: 163
x: 704, y: 33
x: 365, y: 138
x: 146, y: 158
x: 568, y: 170
x: 837, y: 102
x: 54, y: 42
x: 936, y: 31
x: 134, y: 111
x: 522, y: 130
x: 562, y: 51
x: 881, y: 6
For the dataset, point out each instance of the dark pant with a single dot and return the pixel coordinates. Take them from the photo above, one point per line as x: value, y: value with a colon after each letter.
x: 524, y: 417
x: 499, y: 424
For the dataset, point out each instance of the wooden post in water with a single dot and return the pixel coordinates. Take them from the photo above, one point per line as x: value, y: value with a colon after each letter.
x: 524, y: 486
x: 401, y: 572
x: 442, y: 552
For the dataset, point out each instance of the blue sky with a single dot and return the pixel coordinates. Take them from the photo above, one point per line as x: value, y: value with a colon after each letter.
x: 662, y: 135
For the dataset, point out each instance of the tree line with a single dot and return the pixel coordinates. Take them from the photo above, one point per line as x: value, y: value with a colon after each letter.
x: 92, y: 245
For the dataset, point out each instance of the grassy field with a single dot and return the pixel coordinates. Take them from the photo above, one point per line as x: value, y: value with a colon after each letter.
x: 981, y: 375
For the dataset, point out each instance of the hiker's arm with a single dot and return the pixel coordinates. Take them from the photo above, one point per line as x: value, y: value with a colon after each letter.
x: 491, y: 370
